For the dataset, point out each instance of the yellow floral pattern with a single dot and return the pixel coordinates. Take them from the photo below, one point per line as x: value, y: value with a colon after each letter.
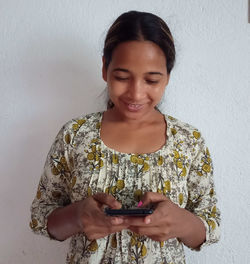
x: 79, y: 165
x: 94, y: 155
x: 138, y: 248
x: 180, y: 160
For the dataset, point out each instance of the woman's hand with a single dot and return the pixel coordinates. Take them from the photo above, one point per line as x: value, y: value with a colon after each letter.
x: 167, y: 221
x: 163, y: 224
x: 85, y: 216
x: 94, y: 222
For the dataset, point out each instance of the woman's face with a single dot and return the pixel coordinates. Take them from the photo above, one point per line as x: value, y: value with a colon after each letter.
x: 136, y: 77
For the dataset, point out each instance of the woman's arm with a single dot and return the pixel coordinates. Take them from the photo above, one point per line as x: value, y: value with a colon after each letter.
x: 63, y: 222
x: 52, y: 212
x: 85, y: 216
x: 193, y: 232
x: 196, y: 225
x: 168, y: 221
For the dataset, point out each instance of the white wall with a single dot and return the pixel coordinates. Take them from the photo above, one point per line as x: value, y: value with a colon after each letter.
x: 50, y: 71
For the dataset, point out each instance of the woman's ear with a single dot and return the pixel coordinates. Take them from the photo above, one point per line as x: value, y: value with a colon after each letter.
x: 104, y: 70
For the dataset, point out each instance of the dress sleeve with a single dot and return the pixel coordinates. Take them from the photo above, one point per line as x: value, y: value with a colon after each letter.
x: 201, y: 194
x: 54, y: 186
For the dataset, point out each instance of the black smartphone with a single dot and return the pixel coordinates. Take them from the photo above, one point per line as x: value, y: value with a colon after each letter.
x: 129, y: 212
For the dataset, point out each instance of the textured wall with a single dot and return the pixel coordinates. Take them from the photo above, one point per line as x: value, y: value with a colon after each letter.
x: 50, y: 71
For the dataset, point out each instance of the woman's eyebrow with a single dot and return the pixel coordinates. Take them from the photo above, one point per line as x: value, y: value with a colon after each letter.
x: 120, y: 69
x: 159, y: 73
x: 127, y: 71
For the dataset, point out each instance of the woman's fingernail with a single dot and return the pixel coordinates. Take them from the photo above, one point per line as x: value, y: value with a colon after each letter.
x: 119, y: 221
x: 148, y: 220
x: 139, y: 204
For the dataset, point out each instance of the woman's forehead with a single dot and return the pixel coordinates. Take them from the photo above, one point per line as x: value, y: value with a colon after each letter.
x: 143, y: 54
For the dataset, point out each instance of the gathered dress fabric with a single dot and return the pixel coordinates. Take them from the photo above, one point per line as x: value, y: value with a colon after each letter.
x: 79, y: 164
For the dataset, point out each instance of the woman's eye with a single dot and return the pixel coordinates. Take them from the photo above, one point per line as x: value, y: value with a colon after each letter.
x: 151, y: 82
x: 121, y: 78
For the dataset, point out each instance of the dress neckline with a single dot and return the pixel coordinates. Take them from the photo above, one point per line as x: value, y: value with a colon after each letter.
x: 168, y: 134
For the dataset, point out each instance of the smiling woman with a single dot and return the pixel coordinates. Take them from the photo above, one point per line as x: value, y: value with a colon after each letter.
x: 129, y: 155
x: 136, y: 78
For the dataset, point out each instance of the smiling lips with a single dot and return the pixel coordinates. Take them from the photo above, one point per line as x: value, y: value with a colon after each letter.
x: 134, y: 107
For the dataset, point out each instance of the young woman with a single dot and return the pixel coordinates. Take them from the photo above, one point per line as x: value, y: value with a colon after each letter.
x: 129, y: 154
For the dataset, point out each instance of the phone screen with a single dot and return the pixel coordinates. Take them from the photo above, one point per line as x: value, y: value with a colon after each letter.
x: 129, y: 212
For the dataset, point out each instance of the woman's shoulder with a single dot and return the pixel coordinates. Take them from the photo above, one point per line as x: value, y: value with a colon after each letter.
x: 81, y: 123
x: 182, y: 130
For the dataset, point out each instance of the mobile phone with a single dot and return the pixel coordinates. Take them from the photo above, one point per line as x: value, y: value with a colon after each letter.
x: 129, y: 212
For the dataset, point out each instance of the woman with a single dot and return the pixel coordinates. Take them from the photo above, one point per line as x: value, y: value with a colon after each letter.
x: 128, y: 154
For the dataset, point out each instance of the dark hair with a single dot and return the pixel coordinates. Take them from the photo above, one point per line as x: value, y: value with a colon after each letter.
x: 135, y: 25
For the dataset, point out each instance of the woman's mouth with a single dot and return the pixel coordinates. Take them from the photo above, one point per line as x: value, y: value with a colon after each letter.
x: 134, y: 107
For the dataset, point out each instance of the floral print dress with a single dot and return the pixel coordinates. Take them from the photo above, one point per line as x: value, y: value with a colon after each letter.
x: 79, y: 164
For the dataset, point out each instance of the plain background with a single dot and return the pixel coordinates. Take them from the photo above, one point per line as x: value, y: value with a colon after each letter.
x: 50, y: 72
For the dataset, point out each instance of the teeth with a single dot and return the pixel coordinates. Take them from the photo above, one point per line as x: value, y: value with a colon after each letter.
x: 134, y: 105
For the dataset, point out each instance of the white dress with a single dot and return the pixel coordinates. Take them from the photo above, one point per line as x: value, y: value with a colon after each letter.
x: 79, y: 164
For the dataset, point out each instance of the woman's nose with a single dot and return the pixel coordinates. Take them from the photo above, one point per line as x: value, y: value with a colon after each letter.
x: 136, y: 90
